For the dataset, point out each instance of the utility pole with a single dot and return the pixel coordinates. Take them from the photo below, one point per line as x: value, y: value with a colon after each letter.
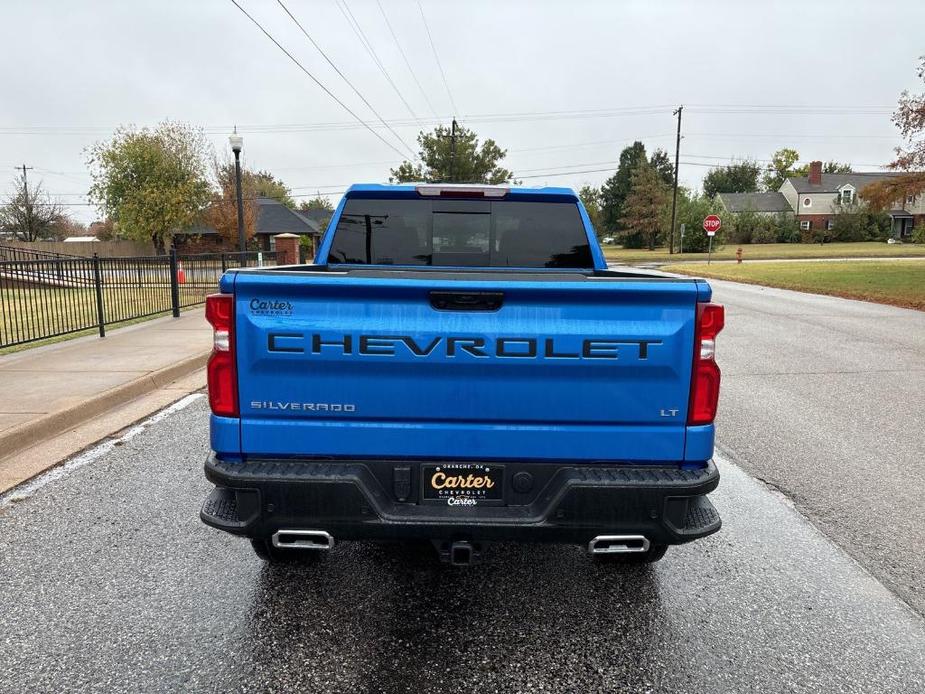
x: 25, y: 188
x: 453, y: 153
x: 674, y: 195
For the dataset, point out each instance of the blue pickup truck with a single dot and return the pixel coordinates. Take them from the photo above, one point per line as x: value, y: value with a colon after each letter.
x: 460, y: 366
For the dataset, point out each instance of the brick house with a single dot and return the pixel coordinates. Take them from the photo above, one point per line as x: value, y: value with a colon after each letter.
x: 272, y: 218
x: 814, y: 199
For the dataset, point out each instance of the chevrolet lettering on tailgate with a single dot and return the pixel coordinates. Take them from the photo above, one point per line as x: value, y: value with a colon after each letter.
x: 451, y: 346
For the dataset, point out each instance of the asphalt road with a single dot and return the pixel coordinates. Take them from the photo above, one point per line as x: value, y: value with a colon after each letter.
x: 823, y: 398
x: 109, y: 582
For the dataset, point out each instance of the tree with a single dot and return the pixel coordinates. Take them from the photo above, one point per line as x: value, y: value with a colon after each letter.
x: 783, y: 166
x: 472, y: 163
x: 643, y: 209
x: 591, y: 199
x: 30, y: 215
x: 104, y: 230
x: 692, y: 209
x: 222, y: 212
x: 617, y: 187
x: 266, y: 185
x: 909, y: 117
x: 829, y: 167
x: 835, y: 167
x: 260, y: 184
x: 65, y: 227
x: 152, y: 183
x: 780, y: 168
x: 661, y: 162
x: 319, y: 202
x: 738, y: 177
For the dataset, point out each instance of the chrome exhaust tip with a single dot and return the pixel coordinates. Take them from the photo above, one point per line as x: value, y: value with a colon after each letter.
x: 618, y: 544
x: 303, y: 539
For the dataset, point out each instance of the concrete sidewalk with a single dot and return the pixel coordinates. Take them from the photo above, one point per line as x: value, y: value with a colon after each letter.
x: 54, y: 391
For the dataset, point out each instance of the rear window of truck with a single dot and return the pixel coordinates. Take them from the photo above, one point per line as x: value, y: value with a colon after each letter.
x: 461, y: 233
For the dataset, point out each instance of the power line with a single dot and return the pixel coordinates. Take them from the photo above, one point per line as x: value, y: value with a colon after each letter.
x: 291, y: 195
x: 826, y: 106
x: 367, y: 44
x: 570, y: 166
x: 737, y: 159
x: 358, y: 164
x: 319, y: 188
x: 545, y: 172
x: 286, y: 127
x: 437, y: 58
x: 821, y: 136
x: 606, y: 170
x: 316, y: 81
x: 578, y: 145
x: 343, y: 76
x: 473, y: 118
x: 405, y: 58
x: 792, y: 110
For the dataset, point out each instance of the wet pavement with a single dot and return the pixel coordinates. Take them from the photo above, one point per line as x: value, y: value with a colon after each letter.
x: 821, y: 398
x: 109, y: 582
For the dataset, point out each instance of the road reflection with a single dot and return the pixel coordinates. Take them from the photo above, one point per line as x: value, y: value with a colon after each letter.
x: 383, y: 617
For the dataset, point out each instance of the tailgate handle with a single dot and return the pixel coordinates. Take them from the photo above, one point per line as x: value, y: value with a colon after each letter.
x: 466, y: 301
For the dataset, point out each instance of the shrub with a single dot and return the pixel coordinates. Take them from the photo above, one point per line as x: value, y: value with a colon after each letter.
x: 743, y: 227
x: 765, y: 231
x: 856, y: 222
x: 812, y: 235
x: 788, y: 231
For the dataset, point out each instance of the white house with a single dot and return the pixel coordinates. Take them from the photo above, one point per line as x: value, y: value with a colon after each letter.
x: 815, y: 199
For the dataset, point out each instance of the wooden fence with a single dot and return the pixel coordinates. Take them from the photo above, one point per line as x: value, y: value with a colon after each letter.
x: 86, y: 249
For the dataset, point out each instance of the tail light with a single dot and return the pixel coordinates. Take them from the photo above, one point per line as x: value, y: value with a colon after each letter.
x: 705, y: 376
x: 221, y: 376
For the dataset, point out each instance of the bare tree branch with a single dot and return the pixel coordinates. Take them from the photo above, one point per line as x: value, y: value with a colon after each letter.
x: 30, y: 215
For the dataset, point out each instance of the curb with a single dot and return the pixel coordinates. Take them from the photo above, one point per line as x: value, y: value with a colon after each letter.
x: 53, y: 424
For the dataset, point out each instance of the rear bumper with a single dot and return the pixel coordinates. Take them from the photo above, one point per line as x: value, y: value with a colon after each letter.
x: 359, y: 500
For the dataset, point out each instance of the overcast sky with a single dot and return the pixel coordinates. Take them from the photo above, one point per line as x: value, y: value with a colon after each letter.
x: 516, y: 71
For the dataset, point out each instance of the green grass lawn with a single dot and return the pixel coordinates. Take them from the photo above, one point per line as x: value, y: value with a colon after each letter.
x: 772, y: 251
x: 897, y: 283
x: 32, y: 313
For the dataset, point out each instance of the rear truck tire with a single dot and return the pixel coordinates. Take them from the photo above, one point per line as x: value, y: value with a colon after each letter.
x: 274, y: 555
x: 650, y: 556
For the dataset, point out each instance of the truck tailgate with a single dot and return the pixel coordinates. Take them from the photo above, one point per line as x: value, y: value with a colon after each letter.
x: 331, y: 364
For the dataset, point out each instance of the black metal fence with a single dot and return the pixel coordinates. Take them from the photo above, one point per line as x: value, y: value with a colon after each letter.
x: 44, y: 295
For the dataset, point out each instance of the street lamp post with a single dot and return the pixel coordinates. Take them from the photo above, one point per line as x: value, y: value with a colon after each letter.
x: 237, y: 144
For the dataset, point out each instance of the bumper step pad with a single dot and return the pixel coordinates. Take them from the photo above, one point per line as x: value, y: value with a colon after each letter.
x: 221, y: 507
x: 702, y: 517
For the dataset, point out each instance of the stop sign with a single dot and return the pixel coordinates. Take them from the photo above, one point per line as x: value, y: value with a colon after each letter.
x: 712, y: 224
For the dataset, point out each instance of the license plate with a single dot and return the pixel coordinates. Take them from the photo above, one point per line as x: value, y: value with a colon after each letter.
x: 463, y: 484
